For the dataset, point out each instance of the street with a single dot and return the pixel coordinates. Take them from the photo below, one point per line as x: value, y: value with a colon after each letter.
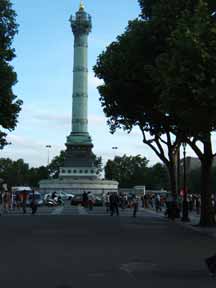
x: 76, y: 250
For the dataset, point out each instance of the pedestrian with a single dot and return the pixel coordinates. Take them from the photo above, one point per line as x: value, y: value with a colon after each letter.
x: 90, y: 200
x: 18, y: 200
x: 107, y: 202
x: 34, y: 204
x: 211, y: 265
x: 24, y: 196
x: 135, y: 205
x: 197, y: 204
x: 54, y: 195
x: 143, y: 202
x: 85, y: 199
x: 1, y: 202
x: 5, y: 201
x: 114, y: 203
x: 157, y: 203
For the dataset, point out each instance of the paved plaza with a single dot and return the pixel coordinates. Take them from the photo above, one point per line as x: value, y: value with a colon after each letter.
x: 77, y: 248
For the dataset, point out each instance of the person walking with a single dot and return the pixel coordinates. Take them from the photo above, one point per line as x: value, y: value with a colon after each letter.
x: 34, y: 204
x: 135, y: 205
x: 114, y: 203
x: 157, y: 203
x: 107, y: 202
x: 24, y: 196
x: 90, y: 200
x: 211, y: 265
x: 85, y: 199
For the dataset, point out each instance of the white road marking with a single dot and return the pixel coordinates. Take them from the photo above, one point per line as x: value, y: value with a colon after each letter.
x: 81, y: 210
x: 58, y: 211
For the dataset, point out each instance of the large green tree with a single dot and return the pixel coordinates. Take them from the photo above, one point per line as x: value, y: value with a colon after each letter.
x: 128, y: 95
x: 10, y: 106
x: 131, y: 171
x: 18, y: 173
x: 127, y: 170
x: 187, y: 84
x: 147, y: 81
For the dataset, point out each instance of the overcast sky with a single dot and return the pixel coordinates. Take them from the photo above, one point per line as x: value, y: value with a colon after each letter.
x: 44, y: 64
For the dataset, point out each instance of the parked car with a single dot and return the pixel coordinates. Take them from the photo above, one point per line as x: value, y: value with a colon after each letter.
x: 38, y: 198
x: 98, y: 201
x: 63, y: 195
x: 77, y: 199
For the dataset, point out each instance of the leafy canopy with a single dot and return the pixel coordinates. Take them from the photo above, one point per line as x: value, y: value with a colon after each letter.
x: 10, y: 106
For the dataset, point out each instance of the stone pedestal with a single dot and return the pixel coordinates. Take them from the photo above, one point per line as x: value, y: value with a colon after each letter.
x: 78, y: 186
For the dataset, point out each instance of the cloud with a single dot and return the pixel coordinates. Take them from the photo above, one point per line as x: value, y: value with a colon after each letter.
x: 33, y: 152
x: 53, y: 118
x: 96, y: 119
x: 93, y: 81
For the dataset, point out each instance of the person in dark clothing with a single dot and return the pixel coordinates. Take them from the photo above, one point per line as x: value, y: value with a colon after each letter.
x: 24, y: 196
x: 135, y: 205
x: 211, y: 265
x: 34, y: 204
x: 114, y: 203
x: 53, y: 195
x: 85, y: 199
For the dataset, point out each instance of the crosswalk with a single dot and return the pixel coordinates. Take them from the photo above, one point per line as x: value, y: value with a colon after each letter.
x: 68, y: 210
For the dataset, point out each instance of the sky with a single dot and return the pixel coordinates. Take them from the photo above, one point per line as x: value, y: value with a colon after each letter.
x: 44, y: 64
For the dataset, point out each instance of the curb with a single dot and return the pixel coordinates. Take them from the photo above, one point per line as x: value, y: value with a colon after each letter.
x: 190, y: 226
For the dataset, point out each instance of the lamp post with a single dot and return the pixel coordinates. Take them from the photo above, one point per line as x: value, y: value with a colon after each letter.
x: 48, y: 150
x: 185, y: 217
x: 114, y: 148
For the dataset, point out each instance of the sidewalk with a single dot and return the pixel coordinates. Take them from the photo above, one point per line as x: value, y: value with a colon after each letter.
x: 194, y: 221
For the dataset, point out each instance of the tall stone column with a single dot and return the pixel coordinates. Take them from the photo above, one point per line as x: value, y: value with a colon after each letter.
x: 81, y: 27
x: 79, y: 159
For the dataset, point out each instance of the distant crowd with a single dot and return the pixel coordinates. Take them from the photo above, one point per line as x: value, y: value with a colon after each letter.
x: 17, y: 200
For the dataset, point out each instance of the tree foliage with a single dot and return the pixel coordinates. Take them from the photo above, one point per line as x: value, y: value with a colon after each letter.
x: 10, y: 106
x: 131, y: 171
x: 18, y: 173
x: 160, y: 75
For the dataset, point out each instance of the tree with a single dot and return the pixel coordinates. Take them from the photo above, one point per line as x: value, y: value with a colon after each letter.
x: 128, y: 95
x: 186, y: 75
x: 127, y: 170
x: 158, y: 177
x: 146, y: 85
x: 18, y: 173
x: 10, y: 106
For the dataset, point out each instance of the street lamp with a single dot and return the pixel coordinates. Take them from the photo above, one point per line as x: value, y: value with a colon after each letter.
x: 48, y: 150
x: 185, y: 217
x: 114, y: 148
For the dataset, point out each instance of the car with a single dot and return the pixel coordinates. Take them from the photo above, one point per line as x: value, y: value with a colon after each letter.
x: 38, y: 198
x: 77, y: 200
x: 63, y: 195
x: 98, y: 201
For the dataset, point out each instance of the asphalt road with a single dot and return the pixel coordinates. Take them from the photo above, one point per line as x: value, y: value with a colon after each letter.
x: 95, y: 251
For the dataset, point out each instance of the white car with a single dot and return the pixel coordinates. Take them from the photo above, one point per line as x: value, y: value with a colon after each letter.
x: 63, y: 195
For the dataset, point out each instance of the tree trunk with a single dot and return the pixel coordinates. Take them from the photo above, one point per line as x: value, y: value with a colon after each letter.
x: 172, y: 178
x: 207, y: 213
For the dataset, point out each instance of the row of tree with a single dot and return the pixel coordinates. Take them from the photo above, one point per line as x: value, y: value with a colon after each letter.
x: 18, y: 173
x: 129, y: 171
x: 160, y: 76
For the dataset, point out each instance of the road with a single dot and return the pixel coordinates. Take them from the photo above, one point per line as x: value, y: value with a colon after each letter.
x: 96, y: 250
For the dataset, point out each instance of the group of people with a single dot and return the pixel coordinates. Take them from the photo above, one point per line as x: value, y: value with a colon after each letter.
x: 88, y: 200
x: 113, y: 202
x: 17, y: 200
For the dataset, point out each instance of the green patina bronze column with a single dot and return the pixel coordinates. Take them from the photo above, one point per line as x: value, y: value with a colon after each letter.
x: 81, y: 27
x: 79, y: 159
